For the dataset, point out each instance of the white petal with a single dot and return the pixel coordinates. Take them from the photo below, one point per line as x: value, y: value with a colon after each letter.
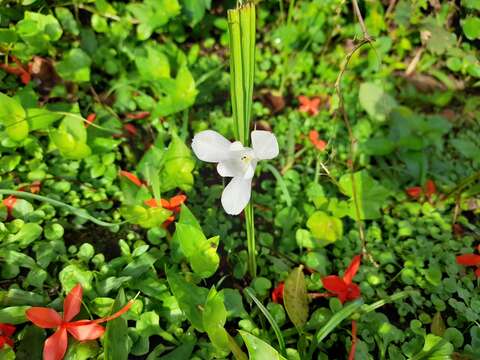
x: 250, y: 170
x: 264, y: 145
x: 236, y: 195
x: 210, y: 146
x: 231, y: 168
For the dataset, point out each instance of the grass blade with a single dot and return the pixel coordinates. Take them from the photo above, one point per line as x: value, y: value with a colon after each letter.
x: 270, y: 319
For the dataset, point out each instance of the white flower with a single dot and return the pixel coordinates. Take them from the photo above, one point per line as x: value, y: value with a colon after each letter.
x: 236, y: 161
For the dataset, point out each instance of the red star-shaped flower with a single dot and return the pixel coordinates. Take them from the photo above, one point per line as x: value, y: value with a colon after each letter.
x: 343, y: 287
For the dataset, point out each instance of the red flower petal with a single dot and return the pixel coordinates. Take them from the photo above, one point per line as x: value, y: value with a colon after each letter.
x: 277, y: 293
x: 138, y: 116
x: 468, y: 259
x: 72, y: 303
x: 353, y: 292
x: 44, y: 317
x: 115, y: 315
x: 334, y: 284
x: 414, y: 192
x: 131, y: 177
x: 430, y: 188
x: 351, y: 354
x: 56, y: 345
x: 477, y: 272
x: 90, y: 119
x: 10, y: 202
x: 352, y: 269
x: 85, y: 332
x: 7, y: 329
x: 152, y: 203
x: 177, y: 200
x: 3, y: 340
x: 131, y: 129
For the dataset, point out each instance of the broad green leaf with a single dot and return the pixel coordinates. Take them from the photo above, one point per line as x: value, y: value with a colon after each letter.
x: 178, y: 94
x: 72, y: 274
x: 75, y: 66
x: 195, y: 10
x: 115, y: 343
x: 370, y: 195
x: 13, y: 315
x: 153, y: 65
x: 440, y: 39
x: 31, y: 345
x: 435, y: 348
x: 325, y: 228
x: 67, y: 20
x: 178, y: 166
x: 199, y: 251
x: 471, y: 27
x: 190, y: 298
x: 295, y: 297
x: 12, y: 116
x: 148, y: 324
x: 153, y: 14
x: 82, y: 350
x: 38, y: 30
x: 259, y: 349
x: 375, y: 101
x: 41, y: 118
x: 214, y: 319
x: 145, y: 217
x: 27, y: 234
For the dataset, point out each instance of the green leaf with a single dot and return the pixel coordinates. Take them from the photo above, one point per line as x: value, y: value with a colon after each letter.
x: 82, y: 350
x: 195, y: 10
x: 72, y: 274
x: 67, y: 20
x: 177, y: 94
x: 214, y: 319
x: 115, y: 342
x: 259, y: 349
x: 40, y: 119
x: 31, y: 345
x: 295, y: 297
x: 75, y: 66
x: 271, y: 320
x: 190, y: 298
x: 38, y: 30
x: 153, y: 65
x: 153, y: 14
x: 435, y: 348
x: 370, y: 195
x: 375, y: 101
x: 12, y: 116
x: 471, y: 27
x: 199, y: 251
x: 13, y: 314
x: 178, y: 166
x: 336, y: 319
x: 439, y: 39
x: 325, y: 228
x: 27, y: 234
x: 438, y: 325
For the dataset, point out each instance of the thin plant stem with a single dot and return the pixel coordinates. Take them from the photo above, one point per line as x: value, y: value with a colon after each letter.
x: 341, y: 106
x: 250, y: 227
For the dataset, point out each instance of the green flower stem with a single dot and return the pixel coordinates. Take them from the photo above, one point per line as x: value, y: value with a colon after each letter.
x: 78, y: 212
x: 241, y: 25
x: 250, y: 225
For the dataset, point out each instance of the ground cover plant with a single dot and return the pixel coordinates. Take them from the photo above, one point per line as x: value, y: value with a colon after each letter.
x: 197, y: 179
